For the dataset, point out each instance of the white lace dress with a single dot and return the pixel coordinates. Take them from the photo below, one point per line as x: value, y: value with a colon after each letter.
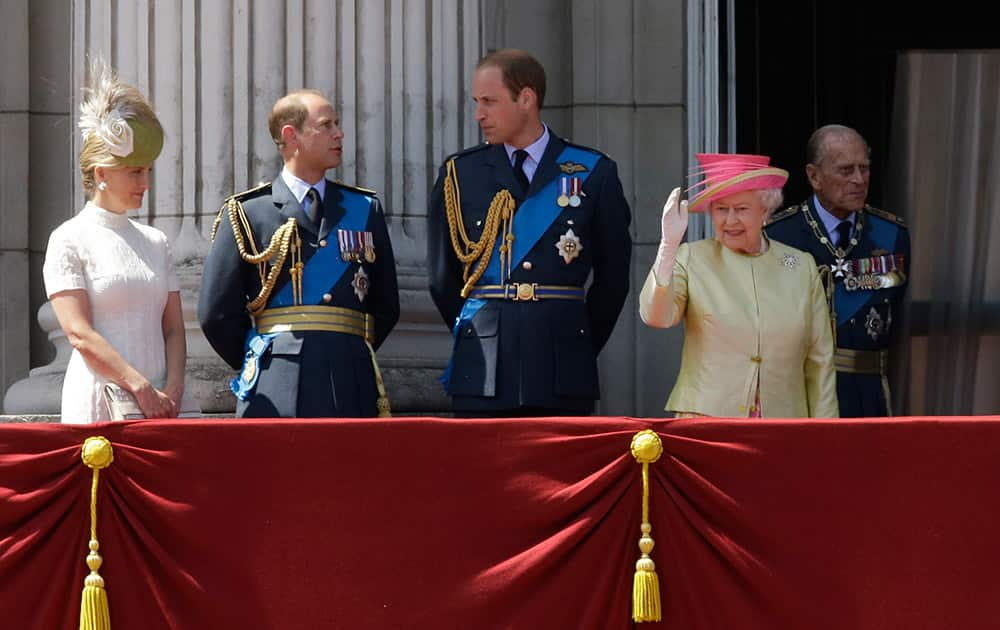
x: 127, y: 269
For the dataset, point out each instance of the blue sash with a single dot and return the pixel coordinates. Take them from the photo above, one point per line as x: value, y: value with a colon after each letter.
x: 883, y: 235
x: 325, y: 264
x: 533, y: 217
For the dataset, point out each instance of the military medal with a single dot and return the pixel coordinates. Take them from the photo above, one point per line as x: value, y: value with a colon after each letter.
x: 841, y: 268
x: 369, y: 247
x: 345, y: 246
x: 569, y: 246
x: 563, y: 198
x: 577, y: 191
x: 360, y: 283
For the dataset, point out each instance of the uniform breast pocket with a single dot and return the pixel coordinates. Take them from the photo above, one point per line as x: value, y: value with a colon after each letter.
x: 474, y: 363
x: 574, y: 362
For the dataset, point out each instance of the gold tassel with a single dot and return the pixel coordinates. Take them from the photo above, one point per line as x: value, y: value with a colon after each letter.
x: 96, y: 454
x: 646, y: 448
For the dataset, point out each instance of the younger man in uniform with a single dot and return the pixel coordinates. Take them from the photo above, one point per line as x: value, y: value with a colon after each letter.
x: 516, y: 228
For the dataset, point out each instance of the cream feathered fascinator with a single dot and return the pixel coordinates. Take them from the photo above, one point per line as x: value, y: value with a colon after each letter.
x: 118, y: 116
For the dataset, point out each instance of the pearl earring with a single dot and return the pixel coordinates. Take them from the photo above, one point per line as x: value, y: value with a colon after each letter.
x: 102, y: 186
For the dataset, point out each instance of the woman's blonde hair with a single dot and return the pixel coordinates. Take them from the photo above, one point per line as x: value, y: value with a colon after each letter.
x: 118, y: 125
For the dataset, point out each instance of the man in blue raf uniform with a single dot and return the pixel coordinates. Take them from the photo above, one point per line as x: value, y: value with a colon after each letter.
x: 516, y: 228
x: 299, y: 288
x: 863, y: 254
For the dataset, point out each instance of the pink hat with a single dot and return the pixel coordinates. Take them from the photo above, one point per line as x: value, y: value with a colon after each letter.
x: 728, y: 173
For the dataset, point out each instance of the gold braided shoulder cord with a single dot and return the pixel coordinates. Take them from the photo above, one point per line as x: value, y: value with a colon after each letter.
x: 501, y: 210
x: 269, y: 263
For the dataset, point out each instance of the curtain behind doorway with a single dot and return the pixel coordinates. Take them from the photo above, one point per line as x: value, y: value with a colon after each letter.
x: 944, y: 179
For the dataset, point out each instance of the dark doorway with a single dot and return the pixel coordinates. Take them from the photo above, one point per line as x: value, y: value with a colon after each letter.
x: 803, y: 64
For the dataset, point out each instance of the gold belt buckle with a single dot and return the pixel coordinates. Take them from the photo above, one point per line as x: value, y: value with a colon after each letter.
x: 524, y: 291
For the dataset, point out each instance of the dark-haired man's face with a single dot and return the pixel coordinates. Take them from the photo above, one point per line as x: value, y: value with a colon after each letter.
x: 500, y: 114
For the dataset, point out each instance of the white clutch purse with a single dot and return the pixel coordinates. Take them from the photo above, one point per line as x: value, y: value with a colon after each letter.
x: 122, y: 405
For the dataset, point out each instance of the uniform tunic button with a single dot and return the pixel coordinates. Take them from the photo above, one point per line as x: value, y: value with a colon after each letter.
x: 570, y: 222
x: 478, y: 223
x: 852, y: 320
x: 756, y: 358
x: 526, y: 265
x: 327, y: 297
x: 322, y: 243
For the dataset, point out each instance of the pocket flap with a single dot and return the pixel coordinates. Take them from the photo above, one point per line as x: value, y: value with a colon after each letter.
x: 485, y: 323
x: 287, y: 343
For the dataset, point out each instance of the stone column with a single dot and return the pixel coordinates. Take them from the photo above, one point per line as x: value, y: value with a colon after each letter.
x: 398, y: 74
x: 615, y: 75
x: 36, y: 175
x: 14, y: 106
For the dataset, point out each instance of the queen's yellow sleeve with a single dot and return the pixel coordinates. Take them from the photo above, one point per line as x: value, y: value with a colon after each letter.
x: 821, y: 376
x: 664, y: 305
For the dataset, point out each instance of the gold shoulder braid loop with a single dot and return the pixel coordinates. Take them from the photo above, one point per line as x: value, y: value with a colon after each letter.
x: 269, y: 263
x: 501, y: 211
x: 646, y: 448
x: 94, y: 615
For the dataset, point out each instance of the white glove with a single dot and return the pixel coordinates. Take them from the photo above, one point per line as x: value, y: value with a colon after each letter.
x: 673, y: 225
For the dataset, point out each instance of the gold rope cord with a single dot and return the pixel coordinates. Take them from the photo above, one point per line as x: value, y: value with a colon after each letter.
x: 94, y: 615
x: 501, y: 210
x: 285, y: 240
x: 646, y: 448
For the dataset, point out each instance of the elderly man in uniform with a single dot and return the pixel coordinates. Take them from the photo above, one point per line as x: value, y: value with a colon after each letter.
x: 863, y: 254
x: 516, y: 228
x: 299, y: 287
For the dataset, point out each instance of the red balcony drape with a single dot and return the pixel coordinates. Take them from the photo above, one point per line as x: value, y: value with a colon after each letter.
x: 516, y: 523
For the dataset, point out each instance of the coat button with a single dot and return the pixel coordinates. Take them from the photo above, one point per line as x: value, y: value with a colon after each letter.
x: 526, y: 265
x: 322, y: 243
x: 327, y: 297
x: 756, y: 358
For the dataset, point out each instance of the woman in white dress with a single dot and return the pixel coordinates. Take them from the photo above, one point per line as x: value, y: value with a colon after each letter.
x: 110, y: 279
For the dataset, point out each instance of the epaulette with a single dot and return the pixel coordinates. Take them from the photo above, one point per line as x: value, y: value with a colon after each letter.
x: 586, y: 148
x: 888, y: 216
x: 468, y: 151
x: 252, y: 192
x: 359, y: 189
x: 782, y: 214
x: 239, y: 197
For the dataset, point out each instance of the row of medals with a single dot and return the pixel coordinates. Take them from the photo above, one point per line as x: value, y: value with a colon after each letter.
x: 570, y: 191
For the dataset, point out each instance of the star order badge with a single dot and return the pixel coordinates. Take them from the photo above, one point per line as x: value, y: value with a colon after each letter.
x: 874, y: 324
x: 790, y: 260
x: 569, y: 246
x: 360, y: 283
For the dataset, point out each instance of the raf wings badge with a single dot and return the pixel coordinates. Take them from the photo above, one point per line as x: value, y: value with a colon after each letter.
x: 572, y: 167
